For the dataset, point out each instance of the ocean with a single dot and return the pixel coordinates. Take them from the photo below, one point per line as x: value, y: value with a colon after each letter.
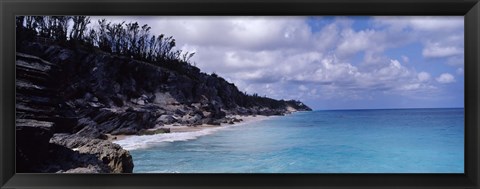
x: 334, y: 141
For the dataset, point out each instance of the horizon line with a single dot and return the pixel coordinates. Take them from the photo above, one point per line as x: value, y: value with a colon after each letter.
x: 387, y: 108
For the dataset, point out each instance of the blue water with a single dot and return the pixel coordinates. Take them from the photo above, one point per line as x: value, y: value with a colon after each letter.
x: 341, y: 141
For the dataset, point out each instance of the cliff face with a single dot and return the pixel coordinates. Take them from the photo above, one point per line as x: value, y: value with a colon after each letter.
x: 34, y: 105
x: 119, y: 95
x: 40, y: 113
x: 88, y: 94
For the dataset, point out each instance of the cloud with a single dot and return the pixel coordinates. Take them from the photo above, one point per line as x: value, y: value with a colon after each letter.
x: 423, y: 76
x: 302, y: 88
x: 435, y: 23
x: 343, y: 78
x: 435, y: 50
x: 445, y: 78
x: 258, y: 76
x: 456, y: 60
x: 460, y: 71
x: 353, y: 42
x: 441, y: 36
x: 327, y: 37
x: 405, y: 59
x: 284, y: 57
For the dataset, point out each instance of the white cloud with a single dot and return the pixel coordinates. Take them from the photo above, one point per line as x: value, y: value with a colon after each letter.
x: 327, y: 37
x: 445, y: 78
x: 441, y: 36
x: 409, y: 87
x: 392, y: 71
x: 302, y: 88
x: 456, y: 60
x: 436, y: 23
x: 435, y: 50
x: 423, y: 76
x: 421, y: 23
x: 460, y: 71
x: 353, y: 42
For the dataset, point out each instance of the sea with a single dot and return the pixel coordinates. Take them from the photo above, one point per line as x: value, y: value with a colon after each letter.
x: 326, y: 141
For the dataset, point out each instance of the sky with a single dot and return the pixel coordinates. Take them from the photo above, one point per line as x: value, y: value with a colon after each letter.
x: 328, y: 62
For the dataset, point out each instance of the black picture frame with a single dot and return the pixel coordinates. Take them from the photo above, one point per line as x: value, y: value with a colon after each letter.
x: 469, y: 8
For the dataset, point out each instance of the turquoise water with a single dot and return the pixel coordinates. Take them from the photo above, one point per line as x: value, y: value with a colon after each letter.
x: 340, y: 141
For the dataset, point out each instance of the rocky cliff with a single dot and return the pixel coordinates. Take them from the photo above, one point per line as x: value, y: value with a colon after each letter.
x: 41, y: 113
x: 68, y: 99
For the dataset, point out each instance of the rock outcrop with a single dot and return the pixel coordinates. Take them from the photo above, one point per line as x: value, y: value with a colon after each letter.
x: 112, y: 155
x: 40, y: 113
x: 32, y: 143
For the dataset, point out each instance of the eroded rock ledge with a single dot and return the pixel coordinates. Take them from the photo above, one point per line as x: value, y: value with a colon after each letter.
x: 41, y: 113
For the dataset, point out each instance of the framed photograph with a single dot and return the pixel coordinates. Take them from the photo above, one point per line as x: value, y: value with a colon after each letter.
x: 257, y: 94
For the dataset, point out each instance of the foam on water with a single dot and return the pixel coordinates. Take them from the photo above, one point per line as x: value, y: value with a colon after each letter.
x: 147, y: 141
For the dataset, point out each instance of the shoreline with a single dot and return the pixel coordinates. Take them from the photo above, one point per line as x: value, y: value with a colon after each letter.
x: 175, y: 128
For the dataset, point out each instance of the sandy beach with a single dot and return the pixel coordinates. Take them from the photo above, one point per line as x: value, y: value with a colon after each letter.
x: 175, y: 128
x: 183, y: 128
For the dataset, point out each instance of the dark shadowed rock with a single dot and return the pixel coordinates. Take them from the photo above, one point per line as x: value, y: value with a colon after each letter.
x: 166, y: 119
x: 180, y: 112
x: 88, y: 169
x: 189, y: 119
x: 32, y: 141
x: 127, y: 122
x: 154, y: 131
x: 112, y: 155
x: 91, y: 132
x: 65, y: 160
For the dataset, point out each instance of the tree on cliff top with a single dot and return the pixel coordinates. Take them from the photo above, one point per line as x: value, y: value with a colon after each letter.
x: 126, y: 39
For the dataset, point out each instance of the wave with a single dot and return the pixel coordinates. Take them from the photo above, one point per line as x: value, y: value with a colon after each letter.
x: 148, y: 141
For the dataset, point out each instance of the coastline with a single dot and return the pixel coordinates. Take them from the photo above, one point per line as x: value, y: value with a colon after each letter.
x: 180, y: 132
x: 184, y: 128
